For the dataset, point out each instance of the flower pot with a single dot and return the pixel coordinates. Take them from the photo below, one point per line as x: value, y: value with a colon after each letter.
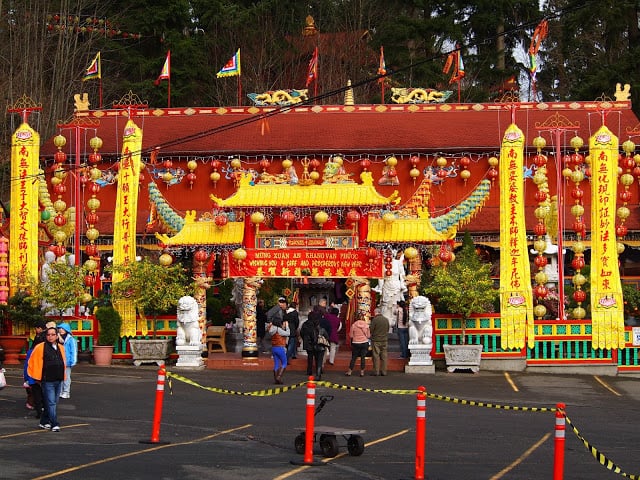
x: 150, y: 350
x: 102, y: 355
x: 463, y: 357
x: 12, y: 346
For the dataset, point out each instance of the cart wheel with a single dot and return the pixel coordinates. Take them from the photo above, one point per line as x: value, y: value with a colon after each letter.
x: 329, y: 446
x: 355, y: 445
x: 299, y: 443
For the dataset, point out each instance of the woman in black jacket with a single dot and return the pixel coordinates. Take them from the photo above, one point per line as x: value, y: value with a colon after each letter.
x: 309, y: 332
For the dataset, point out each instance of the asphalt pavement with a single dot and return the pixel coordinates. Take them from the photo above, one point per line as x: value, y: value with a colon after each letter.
x: 218, y: 424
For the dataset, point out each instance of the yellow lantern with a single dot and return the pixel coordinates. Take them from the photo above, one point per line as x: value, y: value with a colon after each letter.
x: 257, y: 218
x: 388, y: 218
x: 410, y: 253
x: 165, y: 260
x: 91, y: 265
x: 86, y: 297
x: 321, y: 218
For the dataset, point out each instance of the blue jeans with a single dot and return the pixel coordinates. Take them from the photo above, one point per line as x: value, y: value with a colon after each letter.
x: 279, y: 357
x: 403, y: 338
x: 292, y: 347
x: 50, y: 393
x: 66, y: 383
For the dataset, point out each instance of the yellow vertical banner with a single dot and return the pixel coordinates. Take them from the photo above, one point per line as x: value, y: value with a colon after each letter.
x: 23, y: 238
x: 126, y: 211
x: 516, y: 296
x: 607, y: 309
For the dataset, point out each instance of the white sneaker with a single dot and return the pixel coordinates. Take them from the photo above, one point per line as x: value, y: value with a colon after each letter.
x: 55, y: 429
x: 46, y: 426
x: 65, y: 395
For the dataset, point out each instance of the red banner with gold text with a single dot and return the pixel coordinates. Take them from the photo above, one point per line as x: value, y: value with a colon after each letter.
x: 307, y: 263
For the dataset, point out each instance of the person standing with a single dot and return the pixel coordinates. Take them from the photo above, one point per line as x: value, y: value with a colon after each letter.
x: 279, y: 332
x: 71, y: 352
x: 34, y: 391
x: 359, y: 336
x: 402, y: 321
x: 293, y: 318
x: 47, y: 365
x: 309, y: 332
x: 379, y: 341
x: 336, y: 325
x: 261, y: 323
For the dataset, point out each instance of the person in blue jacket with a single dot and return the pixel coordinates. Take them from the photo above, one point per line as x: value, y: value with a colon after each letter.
x: 71, y: 352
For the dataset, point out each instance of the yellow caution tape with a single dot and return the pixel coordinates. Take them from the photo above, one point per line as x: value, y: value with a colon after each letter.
x: 258, y: 393
x: 473, y: 403
x: 600, y: 457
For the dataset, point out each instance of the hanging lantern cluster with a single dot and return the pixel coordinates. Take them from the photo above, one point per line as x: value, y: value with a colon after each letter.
x: 414, y: 173
x: 314, y: 164
x: 493, y: 171
x: 541, y: 180
x: 4, y: 270
x: 372, y: 255
x: 93, y: 204
x: 191, y: 176
x: 465, y: 174
x: 577, y: 161
x: 61, y: 217
x: 215, y: 174
x: 167, y: 176
x: 388, y: 262
x: 442, y: 173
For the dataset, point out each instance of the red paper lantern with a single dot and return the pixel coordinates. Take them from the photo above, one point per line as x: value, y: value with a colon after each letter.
x: 625, y: 195
x: 540, y: 229
x: 628, y: 163
x: 264, y: 164
x: 89, y: 280
x: 314, y: 163
x: 288, y: 217
x: 540, y: 160
x: 577, y: 193
x: 201, y: 256
x: 94, y: 188
x: 59, y: 250
x: 577, y: 159
x: 579, y: 296
x: 91, y: 250
x: 221, y: 220
x: 167, y: 164
x: 59, y: 220
x: 60, y: 188
x: 95, y: 158
x: 540, y: 261
x: 465, y: 162
x: 415, y: 160
x: 579, y: 226
x: 92, y: 218
x: 578, y: 262
x: 365, y: 163
x: 59, y: 157
x: 372, y: 253
x: 191, y: 177
x: 492, y: 173
x: 353, y: 216
x: 540, y: 291
x: 636, y: 171
x: 541, y: 196
x: 621, y: 230
x: 215, y: 164
x: 444, y: 256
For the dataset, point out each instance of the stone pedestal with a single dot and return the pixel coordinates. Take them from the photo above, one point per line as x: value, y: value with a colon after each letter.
x: 420, y: 361
x: 190, y: 357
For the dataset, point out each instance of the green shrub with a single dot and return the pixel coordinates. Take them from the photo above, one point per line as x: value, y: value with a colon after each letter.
x: 110, y: 323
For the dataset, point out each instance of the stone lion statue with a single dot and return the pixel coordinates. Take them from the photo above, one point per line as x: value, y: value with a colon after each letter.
x: 420, y: 327
x: 188, y: 328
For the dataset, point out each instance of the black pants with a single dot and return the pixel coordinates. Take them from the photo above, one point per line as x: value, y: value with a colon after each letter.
x: 358, y: 350
x: 318, y: 355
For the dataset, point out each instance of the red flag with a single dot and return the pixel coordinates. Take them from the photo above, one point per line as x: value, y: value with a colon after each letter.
x: 382, y: 67
x: 312, y: 73
x: 165, y: 74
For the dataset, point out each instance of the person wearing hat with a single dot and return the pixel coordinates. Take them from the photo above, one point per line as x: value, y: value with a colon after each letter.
x: 71, y: 352
x: 34, y: 392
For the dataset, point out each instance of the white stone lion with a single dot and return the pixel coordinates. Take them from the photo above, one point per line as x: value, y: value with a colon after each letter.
x: 420, y: 327
x: 188, y: 328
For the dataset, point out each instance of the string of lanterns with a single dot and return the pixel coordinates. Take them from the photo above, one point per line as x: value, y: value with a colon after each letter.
x: 577, y: 175
x: 541, y: 180
x: 86, y: 25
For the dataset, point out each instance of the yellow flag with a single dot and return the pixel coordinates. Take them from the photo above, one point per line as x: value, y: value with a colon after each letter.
x: 124, y: 226
x: 607, y: 309
x: 23, y: 238
x: 516, y: 296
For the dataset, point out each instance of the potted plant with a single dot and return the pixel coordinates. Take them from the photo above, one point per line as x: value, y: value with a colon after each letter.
x: 110, y: 323
x: 18, y: 317
x: 463, y: 287
x: 153, y: 289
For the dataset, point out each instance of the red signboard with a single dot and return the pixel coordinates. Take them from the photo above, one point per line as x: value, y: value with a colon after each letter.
x: 306, y: 263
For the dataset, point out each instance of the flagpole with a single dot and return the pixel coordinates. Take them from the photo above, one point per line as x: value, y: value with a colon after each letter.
x: 382, y: 91
x: 169, y: 92
x: 100, y: 92
x: 239, y: 91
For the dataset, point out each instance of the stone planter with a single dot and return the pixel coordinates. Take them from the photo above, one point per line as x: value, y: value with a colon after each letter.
x: 150, y: 350
x: 463, y: 356
x: 12, y: 346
